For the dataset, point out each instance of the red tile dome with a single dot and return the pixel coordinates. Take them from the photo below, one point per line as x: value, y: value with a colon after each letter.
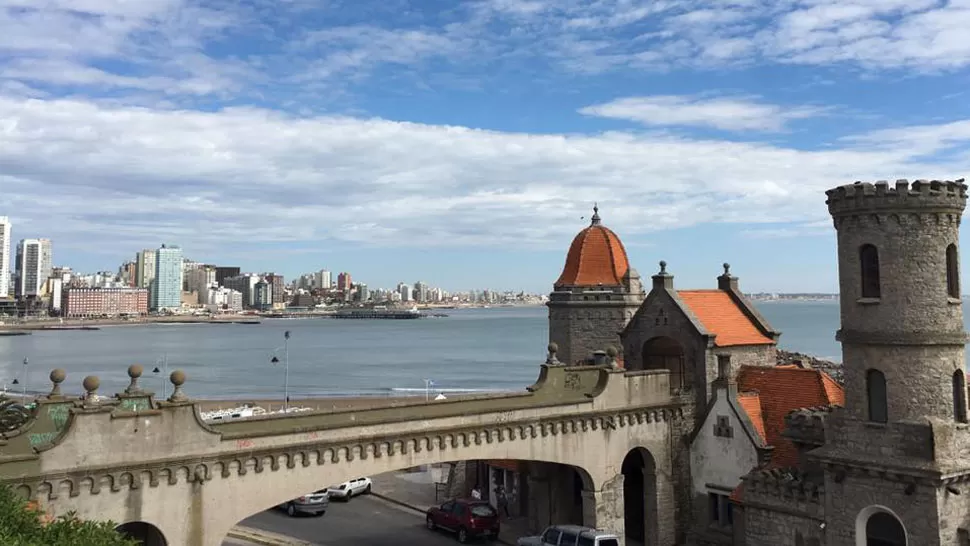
x: 596, y: 258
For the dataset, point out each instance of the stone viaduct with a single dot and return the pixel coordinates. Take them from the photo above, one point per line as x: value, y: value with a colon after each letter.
x: 155, y: 465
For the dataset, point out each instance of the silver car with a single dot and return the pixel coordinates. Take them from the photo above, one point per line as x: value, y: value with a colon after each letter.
x: 571, y: 535
x: 315, y: 503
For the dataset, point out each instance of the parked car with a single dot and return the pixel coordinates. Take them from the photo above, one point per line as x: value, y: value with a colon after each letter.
x: 315, y: 503
x: 571, y: 535
x: 348, y: 489
x: 467, y: 518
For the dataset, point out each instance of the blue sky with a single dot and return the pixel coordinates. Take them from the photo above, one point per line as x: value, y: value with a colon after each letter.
x: 461, y: 143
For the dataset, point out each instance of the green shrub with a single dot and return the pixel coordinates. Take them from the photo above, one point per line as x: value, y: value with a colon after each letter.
x: 22, y: 524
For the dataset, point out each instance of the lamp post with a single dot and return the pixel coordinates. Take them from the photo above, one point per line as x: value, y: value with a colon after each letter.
x: 427, y: 389
x: 26, y: 361
x: 286, y: 369
x: 164, y: 362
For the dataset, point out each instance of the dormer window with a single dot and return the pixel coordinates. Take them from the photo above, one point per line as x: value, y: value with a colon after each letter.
x: 869, y: 260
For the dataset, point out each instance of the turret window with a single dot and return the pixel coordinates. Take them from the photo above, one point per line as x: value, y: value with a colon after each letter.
x: 952, y: 272
x: 869, y: 259
x: 960, y: 396
x: 876, y: 392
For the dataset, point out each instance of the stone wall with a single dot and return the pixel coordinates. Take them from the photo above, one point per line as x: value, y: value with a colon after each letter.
x: 580, y: 327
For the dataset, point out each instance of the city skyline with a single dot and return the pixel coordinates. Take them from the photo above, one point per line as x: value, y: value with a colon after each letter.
x: 466, y: 141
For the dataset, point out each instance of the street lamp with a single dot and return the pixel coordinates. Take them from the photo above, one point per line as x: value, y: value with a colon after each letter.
x: 26, y: 361
x: 164, y: 362
x: 286, y: 369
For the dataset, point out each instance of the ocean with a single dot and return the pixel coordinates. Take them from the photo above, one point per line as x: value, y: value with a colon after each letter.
x: 469, y: 350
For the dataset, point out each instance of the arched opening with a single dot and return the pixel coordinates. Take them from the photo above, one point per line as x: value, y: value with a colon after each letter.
x: 876, y: 393
x: 952, y: 272
x: 960, y: 396
x: 664, y: 353
x: 883, y: 529
x: 869, y: 259
x: 145, y: 533
x: 639, y: 497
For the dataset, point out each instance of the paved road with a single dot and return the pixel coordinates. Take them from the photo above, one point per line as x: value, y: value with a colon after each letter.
x: 364, y: 521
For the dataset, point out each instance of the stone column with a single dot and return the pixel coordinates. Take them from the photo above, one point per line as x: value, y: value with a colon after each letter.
x: 540, y: 505
x: 603, y: 509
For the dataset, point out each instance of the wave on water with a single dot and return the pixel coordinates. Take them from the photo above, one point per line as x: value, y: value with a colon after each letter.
x: 436, y: 389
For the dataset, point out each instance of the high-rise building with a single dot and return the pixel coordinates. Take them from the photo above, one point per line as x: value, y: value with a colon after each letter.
x: 344, y: 282
x: 4, y: 256
x: 167, y: 284
x: 323, y: 280
x: 223, y: 273
x: 199, y: 280
x: 275, y: 283
x: 33, y: 267
x: 144, y: 268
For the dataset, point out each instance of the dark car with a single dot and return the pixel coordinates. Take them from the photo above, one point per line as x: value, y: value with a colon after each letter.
x: 466, y: 518
x: 315, y: 503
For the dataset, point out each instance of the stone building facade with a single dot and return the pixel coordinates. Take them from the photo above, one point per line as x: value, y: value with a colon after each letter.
x: 778, y: 455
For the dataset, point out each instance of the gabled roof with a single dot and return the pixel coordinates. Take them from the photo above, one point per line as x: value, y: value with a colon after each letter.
x: 751, y: 404
x: 721, y: 316
x: 781, y: 390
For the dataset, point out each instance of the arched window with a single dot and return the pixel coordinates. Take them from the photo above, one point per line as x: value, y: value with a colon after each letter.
x: 952, y: 272
x: 876, y: 391
x: 883, y: 529
x: 869, y: 259
x: 960, y: 396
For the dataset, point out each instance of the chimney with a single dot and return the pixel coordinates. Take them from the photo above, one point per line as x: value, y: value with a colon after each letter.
x: 663, y: 280
x: 725, y: 378
x: 727, y: 281
x: 600, y: 358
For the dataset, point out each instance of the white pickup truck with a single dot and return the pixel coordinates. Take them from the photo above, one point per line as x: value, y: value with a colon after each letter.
x: 571, y: 535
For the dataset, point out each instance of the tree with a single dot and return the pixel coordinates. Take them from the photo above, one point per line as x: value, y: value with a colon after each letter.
x: 23, y: 524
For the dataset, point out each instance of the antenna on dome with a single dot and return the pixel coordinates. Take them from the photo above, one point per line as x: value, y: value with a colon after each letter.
x: 596, y: 214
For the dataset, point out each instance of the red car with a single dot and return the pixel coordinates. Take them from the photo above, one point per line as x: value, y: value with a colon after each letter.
x: 466, y: 518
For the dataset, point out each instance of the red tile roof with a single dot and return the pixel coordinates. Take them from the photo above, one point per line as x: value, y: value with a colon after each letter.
x: 721, y: 316
x: 781, y: 390
x: 596, y: 257
x: 751, y: 403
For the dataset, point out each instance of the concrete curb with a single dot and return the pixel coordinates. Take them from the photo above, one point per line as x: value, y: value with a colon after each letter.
x: 265, y: 538
x: 391, y: 500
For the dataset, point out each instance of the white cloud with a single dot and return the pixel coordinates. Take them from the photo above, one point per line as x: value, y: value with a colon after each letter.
x: 130, y: 176
x: 731, y: 114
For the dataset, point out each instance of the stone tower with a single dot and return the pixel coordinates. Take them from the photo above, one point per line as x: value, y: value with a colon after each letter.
x: 895, y: 460
x: 595, y: 296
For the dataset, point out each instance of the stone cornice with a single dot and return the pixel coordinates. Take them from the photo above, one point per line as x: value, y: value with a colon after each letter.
x: 901, y: 338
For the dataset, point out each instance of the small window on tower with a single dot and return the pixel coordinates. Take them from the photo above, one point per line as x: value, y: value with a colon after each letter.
x: 876, y: 392
x: 869, y: 259
x: 960, y: 396
x: 952, y: 272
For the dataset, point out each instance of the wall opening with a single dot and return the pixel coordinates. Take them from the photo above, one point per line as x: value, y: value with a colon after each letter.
x: 876, y: 393
x: 952, y: 272
x: 960, y: 396
x: 145, y: 533
x: 883, y: 529
x: 639, y: 497
x: 664, y: 353
x: 869, y: 260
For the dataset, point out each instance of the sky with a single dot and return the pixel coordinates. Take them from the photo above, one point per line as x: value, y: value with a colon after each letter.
x: 464, y: 143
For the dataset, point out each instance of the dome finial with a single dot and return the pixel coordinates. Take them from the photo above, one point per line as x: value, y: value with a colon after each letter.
x: 596, y: 214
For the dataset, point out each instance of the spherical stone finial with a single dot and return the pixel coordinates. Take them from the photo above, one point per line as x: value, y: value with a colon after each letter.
x: 551, y: 358
x: 663, y: 267
x: 727, y: 268
x: 57, y: 377
x: 135, y: 371
x: 612, y: 352
x: 178, y: 379
x: 553, y: 347
x: 91, y: 384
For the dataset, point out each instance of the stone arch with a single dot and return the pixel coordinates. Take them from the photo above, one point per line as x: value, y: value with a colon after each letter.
x: 640, y: 509
x: 869, y: 265
x: 877, y: 396
x: 960, y: 396
x: 879, y: 526
x: 952, y: 272
x: 666, y: 353
x: 144, y: 532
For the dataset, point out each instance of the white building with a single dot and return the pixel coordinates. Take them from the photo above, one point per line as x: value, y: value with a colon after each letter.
x: 4, y: 256
x: 223, y: 299
x: 323, y: 280
x: 33, y: 267
x: 144, y: 268
x: 167, y: 285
